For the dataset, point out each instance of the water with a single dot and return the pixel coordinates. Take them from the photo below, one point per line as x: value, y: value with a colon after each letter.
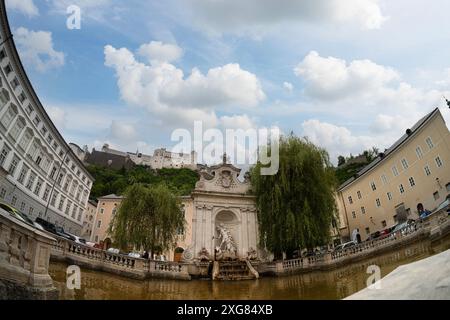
x: 334, y: 284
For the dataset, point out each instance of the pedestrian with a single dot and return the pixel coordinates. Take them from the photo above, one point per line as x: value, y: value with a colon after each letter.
x: 423, y: 213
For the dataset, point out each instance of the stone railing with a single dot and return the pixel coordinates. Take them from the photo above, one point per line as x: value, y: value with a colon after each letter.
x: 438, y: 224
x: 97, y: 259
x: 24, y: 261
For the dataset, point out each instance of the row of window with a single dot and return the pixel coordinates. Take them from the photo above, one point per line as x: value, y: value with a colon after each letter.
x: 427, y: 171
x: 436, y: 196
x: 21, y: 123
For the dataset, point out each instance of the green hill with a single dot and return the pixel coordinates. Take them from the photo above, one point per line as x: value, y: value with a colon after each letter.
x: 108, y: 181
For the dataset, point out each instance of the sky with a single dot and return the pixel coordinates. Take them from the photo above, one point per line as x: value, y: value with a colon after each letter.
x: 349, y: 75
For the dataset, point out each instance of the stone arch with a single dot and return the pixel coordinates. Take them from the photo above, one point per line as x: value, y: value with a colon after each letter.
x: 229, y: 219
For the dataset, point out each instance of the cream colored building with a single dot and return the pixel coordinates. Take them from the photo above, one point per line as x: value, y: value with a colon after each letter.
x: 219, y: 198
x: 39, y: 173
x: 89, y: 217
x: 416, y: 169
x: 106, y: 209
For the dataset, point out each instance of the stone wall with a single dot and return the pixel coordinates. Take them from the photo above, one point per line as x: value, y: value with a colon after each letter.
x: 24, y: 260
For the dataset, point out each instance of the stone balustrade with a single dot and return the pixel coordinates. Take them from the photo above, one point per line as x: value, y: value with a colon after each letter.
x: 97, y: 259
x: 24, y: 261
x: 438, y: 225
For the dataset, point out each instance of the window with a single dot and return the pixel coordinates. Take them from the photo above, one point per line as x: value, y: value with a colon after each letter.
x: 26, y: 139
x: 114, y: 211
x: 350, y: 200
x: 4, y: 98
x: 44, y: 131
x: 383, y: 223
x: 55, y: 146
x: 419, y: 152
x: 359, y: 194
x: 429, y: 143
x: 22, y: 206
x: 373, y: 186
x: 363, y: 210
x: 102, y: 210
x: 49, y: 139
x: 378, y: 202
x: 436, y: 195
x: 3, y: 193
x: 38, y: 187
x: 354, y: 214
x: 9, y: 115
x: 404, y: 164
x: 394, y: 171
x: 99, y: 223
x: 438, y: 162
x: 46, y: 193
x: 427, y: 170
x: 30, y: 211
x: 38, y: 160
x: 61, y: 203
x: 67, y: 183
x: 8, y: 69
x: 29, y: 109
x: 15, y: 83
x: 80, y: 214
x: 14, y: 201
x: 412, y: 183
x: 401, y: 188
x: 22, y: 97
x: 2, y: 55
x: 36, y: 121
x: 13, y: 165
x: 4, y: 154
x: 368, y: 230
x: 54, y: 196
x: 384, y: 179
x: 31, y: 179
x: 23, y: 174
x: 53, y: 172
x: 17, y: 128
x: 389, y: 196
x: 69, y: 204
x: 60, y: 178
x: 74, y: 212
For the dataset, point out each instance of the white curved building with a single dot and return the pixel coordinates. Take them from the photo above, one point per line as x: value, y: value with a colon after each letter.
x: 39, y: 173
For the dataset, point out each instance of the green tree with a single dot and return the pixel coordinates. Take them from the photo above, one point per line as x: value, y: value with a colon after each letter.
x: 148, y: 218
x: 296, y: 206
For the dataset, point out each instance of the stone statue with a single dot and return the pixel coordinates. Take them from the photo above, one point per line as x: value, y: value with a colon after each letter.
x: 204, y: 255
x: 227, y: 248
x: 252, y: 254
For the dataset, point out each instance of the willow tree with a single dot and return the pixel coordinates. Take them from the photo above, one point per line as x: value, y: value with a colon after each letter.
x: 296, y: 206
x: 148, y: 218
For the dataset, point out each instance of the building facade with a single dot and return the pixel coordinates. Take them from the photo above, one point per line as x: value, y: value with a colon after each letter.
x: 106, y: 209
x: 416, y: 169
x: 88, y: 221
x: 219, y: 199
x: 39, y: 174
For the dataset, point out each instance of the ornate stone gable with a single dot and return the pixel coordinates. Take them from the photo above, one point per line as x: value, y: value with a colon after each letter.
x: 222, y: 178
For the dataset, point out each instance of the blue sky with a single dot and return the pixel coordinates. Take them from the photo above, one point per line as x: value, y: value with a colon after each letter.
x: 347, y: 74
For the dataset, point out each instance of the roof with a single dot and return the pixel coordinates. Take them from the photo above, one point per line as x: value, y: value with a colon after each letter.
x: 111, y: 197
x: 400, y: 142
x: 8, y: 41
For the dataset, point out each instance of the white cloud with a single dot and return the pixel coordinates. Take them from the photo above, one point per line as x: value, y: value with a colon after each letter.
x: 163, y: 89
x: 158, y: 51
x: 237, y: 122
x: 97, y: 10
x: 335, y: 139
x: 24, y: 6
x: 36, y: 49
x: 332, y: 78
x: 289, y: 87
x: 257, y: 16
x: 58, y: 116
x: 122, y: 131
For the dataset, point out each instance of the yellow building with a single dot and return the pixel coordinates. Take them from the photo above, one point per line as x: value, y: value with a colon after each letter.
x: 106, y: 209
x: 415, y: 169
x: 89, y: 216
